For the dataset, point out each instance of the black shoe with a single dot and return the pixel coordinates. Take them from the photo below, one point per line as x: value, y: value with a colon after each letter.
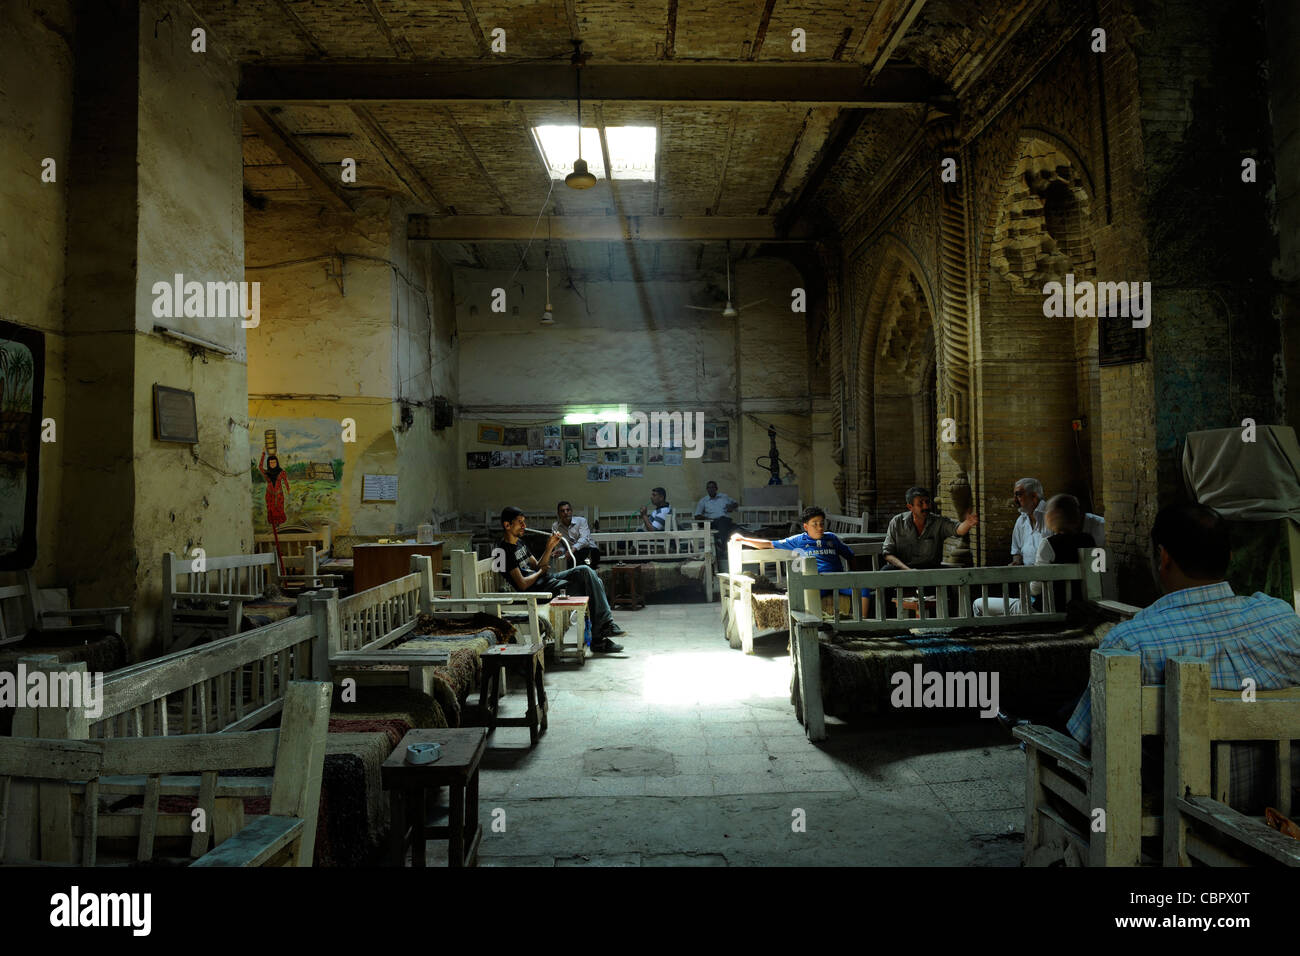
x: 612, y: 630
x: 605, y: 646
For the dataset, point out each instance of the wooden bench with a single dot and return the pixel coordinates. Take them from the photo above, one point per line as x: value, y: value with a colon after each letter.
x: 301, y: 551
x: 51, y: 790
x: 845, y: 524
x: 27, y: 611
x: 1200, y: 827
x: 660, y: 546
x: 957, y: 586
x: 1108, y: 779
x: 775, y: 516
x: 217, y: 590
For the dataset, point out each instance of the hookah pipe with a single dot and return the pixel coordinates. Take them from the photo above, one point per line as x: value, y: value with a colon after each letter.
x: 773, y: 458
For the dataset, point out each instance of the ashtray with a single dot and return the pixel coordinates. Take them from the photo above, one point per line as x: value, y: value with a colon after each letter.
x: 423, y: 753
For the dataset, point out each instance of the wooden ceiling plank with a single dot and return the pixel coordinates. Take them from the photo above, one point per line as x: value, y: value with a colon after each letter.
x: 399, y: 43
x: 900, y: 29
x: 761, y: 32
x: 419, y: 188
x: 465, y: 143
x: 665, y: 82
x: 296, y: 158
x: 726, y: 158
x: 475, y: 27
x: 300, y: 28
x: 659, y: 149
x: 571, y: 16
x: 670, y: 31
x: 474, y: 229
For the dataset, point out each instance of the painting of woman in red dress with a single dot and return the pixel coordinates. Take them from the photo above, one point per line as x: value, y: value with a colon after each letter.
x: 277, y: 486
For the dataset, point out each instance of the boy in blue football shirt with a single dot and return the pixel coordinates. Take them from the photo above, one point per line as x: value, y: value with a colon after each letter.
x: 817, y: 542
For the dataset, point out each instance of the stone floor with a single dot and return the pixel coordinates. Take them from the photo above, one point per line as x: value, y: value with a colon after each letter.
x: 682, y: 752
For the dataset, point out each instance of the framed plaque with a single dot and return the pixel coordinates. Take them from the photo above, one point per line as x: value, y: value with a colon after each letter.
x: 1118, y: 343
x: 174, y: 415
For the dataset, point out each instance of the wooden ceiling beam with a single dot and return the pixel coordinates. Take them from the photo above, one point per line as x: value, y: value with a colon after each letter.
x: 897, y: 31
x: 599, y: 228
x: 471, y: 17
x: 296, y: 158
x: 726, y: 159
x: 398, y: 42
x: 847, y: 85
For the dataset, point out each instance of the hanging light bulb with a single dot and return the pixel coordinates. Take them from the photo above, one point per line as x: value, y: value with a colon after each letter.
x: 580, y: 178
x: 547, y: 317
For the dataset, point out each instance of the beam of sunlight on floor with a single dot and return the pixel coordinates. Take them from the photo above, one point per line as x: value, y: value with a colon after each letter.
x: 712, y: 678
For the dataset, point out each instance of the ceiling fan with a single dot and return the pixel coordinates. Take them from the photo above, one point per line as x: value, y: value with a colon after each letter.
x: 729, y: 311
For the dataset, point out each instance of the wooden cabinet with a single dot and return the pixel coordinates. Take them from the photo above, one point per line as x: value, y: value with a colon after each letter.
x: 375, y: 564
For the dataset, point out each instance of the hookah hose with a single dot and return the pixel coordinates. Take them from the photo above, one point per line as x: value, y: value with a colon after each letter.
x: 546, y: 534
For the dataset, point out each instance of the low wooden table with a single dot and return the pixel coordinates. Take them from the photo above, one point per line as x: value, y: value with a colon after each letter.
x: 626, y: 579
x: 457, y: 770
x: 525, y: 660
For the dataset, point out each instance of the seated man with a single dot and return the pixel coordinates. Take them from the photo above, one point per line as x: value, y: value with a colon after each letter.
x: 577, y: 533
x: 717, y: 508
x: 914, y: 538
x: 1256, y: 637
x: 1065, y: 522
x: 1028, y: 535
x: 817, y: 542
x: 655, y: 518
x: 526, y: 573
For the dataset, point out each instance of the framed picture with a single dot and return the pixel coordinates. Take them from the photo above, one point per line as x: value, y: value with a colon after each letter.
x: 174, y: 415
x: 501, y: 459
x: 610, y: 456
x: 22, y: 372
x: 490, y: 434
x: 591, y: 431
x: 572, y: 455
x: 475, y: 460
x: 551, y: 431
x: 514, y: 436
x: 535, y: 437
x: 572, y: 431
x: 551, y: 444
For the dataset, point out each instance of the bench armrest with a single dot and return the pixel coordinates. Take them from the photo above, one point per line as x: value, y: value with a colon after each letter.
x: 1065, y: 749
x: 255, y: 844
x: 803, y: 617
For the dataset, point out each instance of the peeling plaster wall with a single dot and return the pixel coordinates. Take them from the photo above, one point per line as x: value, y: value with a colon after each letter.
x: 190, y: 209
x: 36, y: 114
x: 636, y: 343
x: 356, y: 353
x: 1283, y: 19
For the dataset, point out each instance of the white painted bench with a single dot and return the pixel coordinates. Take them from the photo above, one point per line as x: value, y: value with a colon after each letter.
x: 963, y: 585
x: 300, y: 551
x: 781, y: 515
x: 219, y: 587
x: 23, y: 607
x: 660, y: 546
x: 845, y: 524
x: 736, y: 586
x: 59, y: 820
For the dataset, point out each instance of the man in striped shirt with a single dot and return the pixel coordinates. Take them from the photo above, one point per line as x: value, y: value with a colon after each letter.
x: 1256, y: 637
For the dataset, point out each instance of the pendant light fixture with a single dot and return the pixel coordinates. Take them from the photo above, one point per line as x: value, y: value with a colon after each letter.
x: 580, y: 178
x: 547, y: 317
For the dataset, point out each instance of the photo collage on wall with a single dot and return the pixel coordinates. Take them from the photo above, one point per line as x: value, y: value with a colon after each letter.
x: 554, y: 446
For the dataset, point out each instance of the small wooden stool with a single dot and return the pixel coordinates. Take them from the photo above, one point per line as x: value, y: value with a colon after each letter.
x: 523, y: 659
x: 911, y: 607
x: 627, y: 594
x: 409, y: 785
x: 570, y: 639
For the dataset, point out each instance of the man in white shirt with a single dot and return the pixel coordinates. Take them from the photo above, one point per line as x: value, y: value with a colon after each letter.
x: 577, y: 533
x: 655, y: 518
x: 1028, y: 535
x: 717, y: 508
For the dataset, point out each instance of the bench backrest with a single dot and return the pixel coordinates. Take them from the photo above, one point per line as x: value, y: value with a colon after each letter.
x: 15, y: 613
x: 654, y: 545
x: 243, y: 574
x: 64, y: 823
x: 845, y: 524
x: 1199, y: 723
x: 781, y: 515
x: 964, y: 585
x: 372, y: 616
x: 771, y: 563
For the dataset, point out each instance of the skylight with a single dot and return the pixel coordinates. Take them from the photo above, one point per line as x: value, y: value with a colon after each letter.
x: 631, y: 150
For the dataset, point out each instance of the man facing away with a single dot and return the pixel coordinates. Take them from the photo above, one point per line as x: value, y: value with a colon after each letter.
x: 1031, y: 525
x: 526, y: 573
x: 655, y: 518
x: 1256, y: 637
x: 578, y: 533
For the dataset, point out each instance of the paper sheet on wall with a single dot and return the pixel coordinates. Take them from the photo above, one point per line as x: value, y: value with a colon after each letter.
x: 379, y: 488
